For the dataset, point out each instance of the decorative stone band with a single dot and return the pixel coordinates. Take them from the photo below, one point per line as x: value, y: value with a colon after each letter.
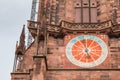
x: 106, y: 26
x: 80, y: 26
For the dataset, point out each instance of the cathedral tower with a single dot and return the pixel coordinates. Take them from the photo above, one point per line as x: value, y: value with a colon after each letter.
x: 73, y: 40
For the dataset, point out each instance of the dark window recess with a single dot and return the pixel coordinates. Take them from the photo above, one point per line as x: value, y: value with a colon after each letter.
x: 85, y: 4
x: 41, y: 37
x: 93, y: 3
x: 56, y: 36
x: 77, y: 4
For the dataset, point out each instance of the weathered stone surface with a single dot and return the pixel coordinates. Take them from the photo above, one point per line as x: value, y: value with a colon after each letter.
x: 46, y: 59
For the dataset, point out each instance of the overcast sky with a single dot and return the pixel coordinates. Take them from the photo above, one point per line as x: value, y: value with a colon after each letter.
x: 13, y: 14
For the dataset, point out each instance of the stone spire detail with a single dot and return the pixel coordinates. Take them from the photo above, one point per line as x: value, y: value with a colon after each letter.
x: 22, y: 39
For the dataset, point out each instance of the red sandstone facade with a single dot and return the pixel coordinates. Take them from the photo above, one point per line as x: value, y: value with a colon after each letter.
x: 59, y: 22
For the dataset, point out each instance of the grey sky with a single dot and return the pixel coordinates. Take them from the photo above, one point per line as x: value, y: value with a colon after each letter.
x: 13, y: 14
